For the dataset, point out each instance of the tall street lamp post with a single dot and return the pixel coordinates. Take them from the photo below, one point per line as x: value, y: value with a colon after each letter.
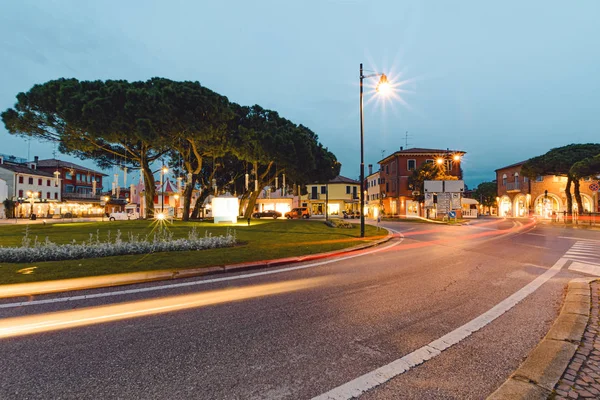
x: 163, y: 172
x: 383, y: 87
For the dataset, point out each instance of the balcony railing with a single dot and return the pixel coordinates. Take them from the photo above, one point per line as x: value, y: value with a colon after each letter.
x: 513, y: 186
x: 82, y: 196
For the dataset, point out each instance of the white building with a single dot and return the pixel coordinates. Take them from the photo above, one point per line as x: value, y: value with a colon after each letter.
x: 36, y: 191
x: 3, y: 196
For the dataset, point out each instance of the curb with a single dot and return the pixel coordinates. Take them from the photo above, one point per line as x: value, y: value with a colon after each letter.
x: 540, y: 372
x: 104, y: 281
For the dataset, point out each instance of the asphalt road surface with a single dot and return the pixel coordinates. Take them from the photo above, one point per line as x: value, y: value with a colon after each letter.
x: 367, y: 324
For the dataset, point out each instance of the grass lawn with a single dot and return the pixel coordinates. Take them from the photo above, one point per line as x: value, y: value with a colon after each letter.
x: 262, y: 240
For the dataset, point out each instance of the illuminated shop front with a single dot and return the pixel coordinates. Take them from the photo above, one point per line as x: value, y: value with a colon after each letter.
x: 546, y: 204
x: 521, y: 206
x: 505, y: 207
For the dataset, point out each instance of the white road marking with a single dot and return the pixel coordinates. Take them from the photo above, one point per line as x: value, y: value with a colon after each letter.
x: 592, y: 269
x: 202, y: 282
x: 383, y: 374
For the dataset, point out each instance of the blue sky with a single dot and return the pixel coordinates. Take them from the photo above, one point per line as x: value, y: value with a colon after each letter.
x: 503, y: 81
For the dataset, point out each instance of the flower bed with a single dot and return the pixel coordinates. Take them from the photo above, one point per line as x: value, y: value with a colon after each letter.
x: 160, y: 241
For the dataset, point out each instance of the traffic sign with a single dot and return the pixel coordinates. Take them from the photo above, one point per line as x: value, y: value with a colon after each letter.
x: 452, y: 214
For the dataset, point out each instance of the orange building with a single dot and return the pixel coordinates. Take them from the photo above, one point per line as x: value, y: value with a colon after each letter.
x: 519, y: 196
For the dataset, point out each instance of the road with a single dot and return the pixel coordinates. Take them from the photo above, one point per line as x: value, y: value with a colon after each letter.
x: 309, y: 331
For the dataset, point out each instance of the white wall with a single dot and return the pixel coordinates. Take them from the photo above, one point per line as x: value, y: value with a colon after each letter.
x: 3, y: 196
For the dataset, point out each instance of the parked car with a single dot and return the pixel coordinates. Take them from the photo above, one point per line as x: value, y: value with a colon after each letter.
x: 123, y: 216
x: 267, y: 214
x: 298, y: 212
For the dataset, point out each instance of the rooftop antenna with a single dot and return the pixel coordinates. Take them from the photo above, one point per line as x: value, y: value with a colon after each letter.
x: 406, y: 140
x: 382, y: 154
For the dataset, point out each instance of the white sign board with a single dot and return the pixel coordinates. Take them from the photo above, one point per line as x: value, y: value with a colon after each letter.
x: 454, y: 186
x: 433, y: 186
x: 225, y: 209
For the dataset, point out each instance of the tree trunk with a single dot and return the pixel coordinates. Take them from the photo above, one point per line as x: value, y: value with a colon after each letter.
x: 187, y: 199
x: 577, y: 196
x: 199, y: 203
x: 569, y: 198
x: 252, y: 201
x: 149, y: 188
x: 245, y: 195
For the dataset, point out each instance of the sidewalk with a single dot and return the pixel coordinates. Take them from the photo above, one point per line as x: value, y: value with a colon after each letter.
x: 566, y: 362
x: 581, y: 380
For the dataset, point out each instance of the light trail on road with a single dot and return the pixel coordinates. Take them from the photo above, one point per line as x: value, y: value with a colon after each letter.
x: 20, y: 326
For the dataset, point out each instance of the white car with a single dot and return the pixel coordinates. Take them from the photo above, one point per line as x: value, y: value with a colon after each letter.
x: 123, y: 216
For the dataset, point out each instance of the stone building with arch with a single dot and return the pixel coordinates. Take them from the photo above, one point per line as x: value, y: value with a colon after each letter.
x: 519, y: 196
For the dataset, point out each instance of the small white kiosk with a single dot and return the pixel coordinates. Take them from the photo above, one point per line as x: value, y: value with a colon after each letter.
x: 225, y: 209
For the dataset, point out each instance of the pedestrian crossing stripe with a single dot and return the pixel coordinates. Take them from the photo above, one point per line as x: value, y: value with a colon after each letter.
x: 585, y: 257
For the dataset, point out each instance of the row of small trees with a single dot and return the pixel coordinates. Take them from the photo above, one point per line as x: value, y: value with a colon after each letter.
x: 135, y: 124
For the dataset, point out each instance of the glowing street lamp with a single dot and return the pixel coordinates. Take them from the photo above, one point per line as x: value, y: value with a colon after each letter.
x: 383, y: 88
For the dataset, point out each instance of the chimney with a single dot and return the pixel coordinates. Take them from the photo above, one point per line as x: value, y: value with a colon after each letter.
x: 1, y: 160
x: 401, y: 148
x: 370, y: 169
x: 36, y: 159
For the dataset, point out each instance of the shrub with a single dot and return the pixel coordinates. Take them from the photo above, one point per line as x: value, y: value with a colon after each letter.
x: 338, y: 223
x: 161, y: 241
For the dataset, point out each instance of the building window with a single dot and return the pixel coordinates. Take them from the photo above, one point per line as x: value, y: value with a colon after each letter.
x: 449, y: 165
x: 525, y: 179
x: 387, y: 187
x: 68, y: 175
x: 387, y: 169
x: 47, y: 195
x: 504, y: 180
x: 539, y: 178
x: 40, y: 182
x: 323, y: 191
x: 55, y: 196
x: 20, y: 179
x: 21, y: 192
x: 412, y: 165
x: 30, y: 180
x: 347, y: 189
x: 429, y: 161
x: 47, y: 182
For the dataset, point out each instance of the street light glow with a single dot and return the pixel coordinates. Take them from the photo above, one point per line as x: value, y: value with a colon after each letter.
x: 160, y: 216
x: 383, y: 87
x: 456, y: 157
x: 165, y: 170
x: 440, y: 161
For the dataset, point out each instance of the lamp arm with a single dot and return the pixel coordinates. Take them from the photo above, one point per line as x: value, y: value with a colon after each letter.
x: 370, y: 75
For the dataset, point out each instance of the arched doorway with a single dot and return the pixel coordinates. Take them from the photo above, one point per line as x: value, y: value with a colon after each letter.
x: 520, y: 206
x: 545, y: 205
x: 586, y: 202
x: 505, y: 206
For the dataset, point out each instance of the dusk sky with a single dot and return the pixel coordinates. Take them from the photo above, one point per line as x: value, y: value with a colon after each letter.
x: 503, y: 81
